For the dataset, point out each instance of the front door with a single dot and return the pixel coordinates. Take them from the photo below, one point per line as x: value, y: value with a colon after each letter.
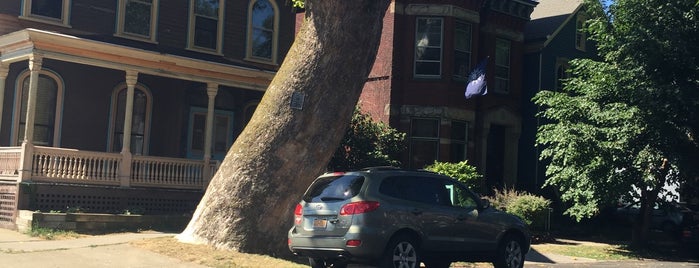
x: 222, y: 134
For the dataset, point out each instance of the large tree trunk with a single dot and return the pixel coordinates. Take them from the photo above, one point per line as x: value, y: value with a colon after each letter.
x: 249, y: 203
x: 640, y: 230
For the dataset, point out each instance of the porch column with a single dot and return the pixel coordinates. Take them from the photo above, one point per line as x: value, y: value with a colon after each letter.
x: 3, y: 76
x: 127, y: 157
x: 35, y: 61
x: 25, y: 166
x: 211, y: 91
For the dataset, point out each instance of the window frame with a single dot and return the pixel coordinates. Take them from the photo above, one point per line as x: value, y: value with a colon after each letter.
x: 504, y: 68
x: 250, y: 35
x: 434, y: 139
x: 199, y: 154
x: 580, y: 34
x: 58, y: 113
x: 463, y: 142
x: 561, y: 73
x: 114, y: 113
x: 456, y: 71
x: 121, y: 22
x: 63, y: 21
x: 417, y: 48
x: 191, y: 30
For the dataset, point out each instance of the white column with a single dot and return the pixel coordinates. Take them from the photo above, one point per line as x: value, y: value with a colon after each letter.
x: 127, y: 157
x: 3, y: 76
x: 35, y: 61
x: 131, y: 79
x: 211, y: 91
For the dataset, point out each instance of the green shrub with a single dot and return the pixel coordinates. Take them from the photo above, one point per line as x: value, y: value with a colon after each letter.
x: 532, y: 209
x: 460, y: 171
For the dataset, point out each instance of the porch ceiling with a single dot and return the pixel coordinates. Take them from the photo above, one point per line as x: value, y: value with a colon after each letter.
x: 22, y: 44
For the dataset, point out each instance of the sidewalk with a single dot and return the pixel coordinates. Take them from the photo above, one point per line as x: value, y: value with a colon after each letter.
x: 113, y: 250
x: 19, y: 250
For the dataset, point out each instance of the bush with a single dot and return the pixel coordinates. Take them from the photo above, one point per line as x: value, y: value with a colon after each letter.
x: 532, y: 209
x: 460, y: 171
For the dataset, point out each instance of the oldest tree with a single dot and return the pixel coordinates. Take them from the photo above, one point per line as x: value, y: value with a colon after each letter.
x: 294, y: 131
x: 631, y: 119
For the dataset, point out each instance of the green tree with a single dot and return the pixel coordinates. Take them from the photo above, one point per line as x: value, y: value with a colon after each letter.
x: 249, y: 203
x: 631, y: 119
x: 461, y: 171
x: 367, y: 143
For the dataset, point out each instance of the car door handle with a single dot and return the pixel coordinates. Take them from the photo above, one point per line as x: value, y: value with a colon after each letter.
x: 416, y: 212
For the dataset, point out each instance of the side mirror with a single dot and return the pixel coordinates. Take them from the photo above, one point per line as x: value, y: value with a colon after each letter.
x: 485, y: 202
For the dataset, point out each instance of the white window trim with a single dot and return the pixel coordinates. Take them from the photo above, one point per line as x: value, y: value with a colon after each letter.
x: 275, y: 34
x: 121, y: 20
x: 113, y: 114
x: 59, y: 105
x: 441, y: 51
x: 219, y: 34
x: 470, y: 51
x: 63, y: 21
x: 509, y: 67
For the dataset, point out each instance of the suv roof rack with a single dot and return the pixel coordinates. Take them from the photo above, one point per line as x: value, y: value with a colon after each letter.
x: 380, y: 168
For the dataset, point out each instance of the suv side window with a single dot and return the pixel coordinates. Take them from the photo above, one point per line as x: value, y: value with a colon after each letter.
x: 426, y: 190
x: 461, y: 196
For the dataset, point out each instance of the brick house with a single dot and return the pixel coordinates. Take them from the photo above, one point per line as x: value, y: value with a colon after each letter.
x: 112, y: 104
x: 417, y: 84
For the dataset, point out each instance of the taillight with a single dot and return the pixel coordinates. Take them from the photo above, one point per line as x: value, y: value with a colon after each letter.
x: 353, y: 243
x: 359, y: 207
x: 298, y: 214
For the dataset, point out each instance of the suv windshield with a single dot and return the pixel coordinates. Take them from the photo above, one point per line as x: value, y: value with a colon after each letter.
x: 335, y: 188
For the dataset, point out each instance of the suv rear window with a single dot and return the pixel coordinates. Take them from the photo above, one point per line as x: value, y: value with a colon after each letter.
x: 335, y: 188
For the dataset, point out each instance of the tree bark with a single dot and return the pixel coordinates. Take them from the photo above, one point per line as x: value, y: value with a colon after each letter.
x: 249, y: 203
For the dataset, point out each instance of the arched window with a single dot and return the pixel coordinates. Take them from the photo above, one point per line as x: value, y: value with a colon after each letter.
x: 263, y: 23
x: 48, y: 106
x: 140, y: 122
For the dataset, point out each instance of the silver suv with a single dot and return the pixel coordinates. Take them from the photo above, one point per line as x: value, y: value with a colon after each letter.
x: 391, y: 217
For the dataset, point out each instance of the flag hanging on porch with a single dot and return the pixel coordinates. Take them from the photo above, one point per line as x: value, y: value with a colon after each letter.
x: 476, y: 84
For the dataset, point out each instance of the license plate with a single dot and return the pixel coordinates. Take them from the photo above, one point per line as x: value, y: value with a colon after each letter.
x: 320, y: 223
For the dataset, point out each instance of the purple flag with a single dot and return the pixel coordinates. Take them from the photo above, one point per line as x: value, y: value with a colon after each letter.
x: 476, y: 85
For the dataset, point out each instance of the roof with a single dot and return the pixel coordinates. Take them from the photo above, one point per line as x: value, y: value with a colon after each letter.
x: 548, y: 16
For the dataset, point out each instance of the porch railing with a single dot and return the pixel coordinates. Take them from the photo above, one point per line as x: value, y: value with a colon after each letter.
x: 9, y: 162
x: 49, y: 164
x: 69, y: 165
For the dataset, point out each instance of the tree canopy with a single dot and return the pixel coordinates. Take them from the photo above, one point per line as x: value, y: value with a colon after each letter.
x: 630, y: 119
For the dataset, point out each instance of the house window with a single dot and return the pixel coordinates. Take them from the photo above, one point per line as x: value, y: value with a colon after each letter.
x: 262, y: 25
x: 47, y: 11
x: 580, y: 36
x: 140, y: 121
x: 462, y: 49
x: 562, y: 74
x: 206, y: 25
x: 47, y: 109
x: 137, y: 19
x: 428, y: 47
x: 502, y: 65
x: 424, y: 141
x: 459, y: 140
x: 222, y: 133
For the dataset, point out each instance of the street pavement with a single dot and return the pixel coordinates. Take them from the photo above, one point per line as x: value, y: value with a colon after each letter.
x: 18, y: 250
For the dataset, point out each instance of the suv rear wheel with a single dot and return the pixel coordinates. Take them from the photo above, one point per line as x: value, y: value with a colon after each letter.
x: 401, y: 252
x: 510, y: 253
x: 320, y: 263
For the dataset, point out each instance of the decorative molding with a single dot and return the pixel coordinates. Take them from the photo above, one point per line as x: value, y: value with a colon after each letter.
x: 440, y: 10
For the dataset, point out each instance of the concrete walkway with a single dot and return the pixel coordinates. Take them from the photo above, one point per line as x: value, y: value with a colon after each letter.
x: 113, y: 250
x: 102, y: 251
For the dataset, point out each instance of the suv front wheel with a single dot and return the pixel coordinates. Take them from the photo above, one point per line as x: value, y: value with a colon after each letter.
x: 401, y: 252
x: 510, y: 253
